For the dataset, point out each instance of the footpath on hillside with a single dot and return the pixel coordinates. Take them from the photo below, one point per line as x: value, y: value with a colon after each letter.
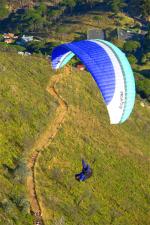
x: 43, y: 141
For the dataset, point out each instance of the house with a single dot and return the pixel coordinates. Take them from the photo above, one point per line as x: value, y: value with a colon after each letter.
x: 80, y: 67
x: 96, y: 34
x: 9, y: 36
x: 9, y: 40
x: 130, y: 34
x: 27, y: 53
x: 21, y: 53
x: 24, y: 53
x: 26, y: 39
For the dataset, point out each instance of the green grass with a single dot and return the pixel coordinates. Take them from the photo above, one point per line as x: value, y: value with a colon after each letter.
x: 25, y: 109
x: 118, y: 192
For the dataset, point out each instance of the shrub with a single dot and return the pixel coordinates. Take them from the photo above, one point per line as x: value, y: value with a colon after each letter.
x: 145, y: 58
x: 6, y: 205
x: 143, y: 86
x: 35, y: 46
x: 132, y: 59
x: 56, y: 174
x: 131, y: 46
x: 10, y: 47
x: 21, y: 171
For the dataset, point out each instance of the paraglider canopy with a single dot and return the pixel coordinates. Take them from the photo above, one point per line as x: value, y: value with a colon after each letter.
x: 110, y: 69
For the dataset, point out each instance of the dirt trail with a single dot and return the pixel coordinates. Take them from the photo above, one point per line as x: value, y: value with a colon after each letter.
x: 43, y: 141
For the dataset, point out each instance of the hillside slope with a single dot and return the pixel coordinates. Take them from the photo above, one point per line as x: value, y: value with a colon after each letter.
x: 118, y: 193
x: 25, y: 109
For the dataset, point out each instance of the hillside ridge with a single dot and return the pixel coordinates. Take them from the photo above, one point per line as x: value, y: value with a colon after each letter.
x: 43, y: 141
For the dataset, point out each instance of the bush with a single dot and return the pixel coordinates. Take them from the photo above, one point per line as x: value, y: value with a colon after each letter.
x: 143, y: 86
x: 35, y: 46
x: 145, y: 58
x: 132, y: 59
x: 6, y: 205
x: 1, y: 37
x: 10, y: 47
x: 146, y: 42
x: 131, y: 46
x: 56, y: 174
x: 21, y: 171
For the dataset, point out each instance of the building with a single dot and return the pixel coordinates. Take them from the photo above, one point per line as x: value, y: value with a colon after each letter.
x: 96, y: 34
x: 9, y: 40
x: 8, y: 35
x: 21, y: 53
x: 24, y: 53
x: 27, y: 38
x: 24, y: 40
x: 80, y: 67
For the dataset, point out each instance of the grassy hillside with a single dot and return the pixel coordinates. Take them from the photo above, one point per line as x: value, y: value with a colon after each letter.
x: 118, y: 193
x: 25, y: 108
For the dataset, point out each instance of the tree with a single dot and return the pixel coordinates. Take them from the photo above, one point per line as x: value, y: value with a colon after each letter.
x: 3, y: 8
x: 54, y: 14
x: 32, y: 20
x: 115, y: 5
x: 146, y: 42
x: 143, y: 86
x: 70, y: 4
x: 87, y: 3
x: 145, y: 8
x: 132, y: 59
x: 131, y: 46
x: 145, y: 58
x: 35, y: 46
x: 42, y: 9
x: 132, y: 7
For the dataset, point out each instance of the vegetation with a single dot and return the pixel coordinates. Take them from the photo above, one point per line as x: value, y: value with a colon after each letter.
x: 11, y: 48
x: 143, y: 85
x: 115, y: 5
x: 3, y: 9
x: 118, y: 193
x: 24, y: 113
x: 40, y: 16
x: 131, y: 46
x: 119, y: 156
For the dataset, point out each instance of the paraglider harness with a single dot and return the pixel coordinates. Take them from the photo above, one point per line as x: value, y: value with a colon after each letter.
x: 86, y: 172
